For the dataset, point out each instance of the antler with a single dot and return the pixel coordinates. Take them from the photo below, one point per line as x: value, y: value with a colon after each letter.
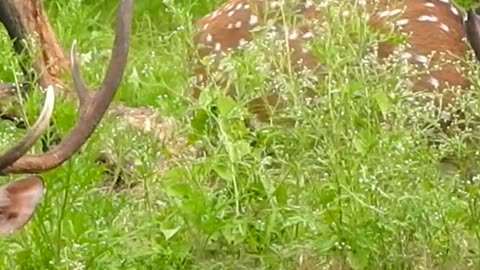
x: 93, y: 106
x: 22, y: 147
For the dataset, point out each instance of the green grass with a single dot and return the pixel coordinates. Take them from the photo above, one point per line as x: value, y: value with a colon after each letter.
x: 355, y: 184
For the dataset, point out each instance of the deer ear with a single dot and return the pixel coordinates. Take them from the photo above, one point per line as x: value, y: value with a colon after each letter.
x: 472, y: 29
x: 18, y: 201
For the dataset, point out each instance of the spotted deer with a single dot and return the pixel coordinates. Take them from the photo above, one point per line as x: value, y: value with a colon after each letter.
x: 434, y: 31
x: 19, y: 199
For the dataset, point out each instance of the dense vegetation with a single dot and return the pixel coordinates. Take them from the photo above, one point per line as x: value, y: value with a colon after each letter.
x: 355, y: 184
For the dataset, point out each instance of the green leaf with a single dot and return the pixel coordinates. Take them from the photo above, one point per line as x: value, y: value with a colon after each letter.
x: 383, y: 101
x: 327, y: 242
x: 181, y: 190
x: 281, y: 194
x: 456, y: 213
x: 359, y: 144
x: 327, y: 194
x: 358, y: 259
x: 223, y: 171
x: 225, y: 105
x: 242, y: 148
x: 204, y: 99
x: 168, y: 232
x: 199, y: 125
x: 173, y: 183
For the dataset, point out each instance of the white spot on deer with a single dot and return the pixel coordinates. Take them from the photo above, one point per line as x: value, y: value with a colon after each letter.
x: 209, y: 38
x: 218, y: 47
x: 389, y: 13
x: 230, y: 13
x: 242, y: 42
x: 427, y: 18
x: 421, y: 58
x: 434, y: 82
x: 444, y: 27
x: 215, y: 14
x: 429, y: 4
x: 238, y: 24
x: 308, y: 4
x: 401, y: 22
x: 406, y: 55
x: 239, y: 6
x: 445, y: 1
x: 230, y: 26
x: 253, y: 20
x: 454, y: 10
x: 246, y: 6
x: 293, y: 35
x: 308, y: 35
x: 394, y: 12
x: 205, y: 26
x: 229, y: 6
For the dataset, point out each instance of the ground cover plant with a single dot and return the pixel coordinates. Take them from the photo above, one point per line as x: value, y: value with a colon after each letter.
x: 355, y: 184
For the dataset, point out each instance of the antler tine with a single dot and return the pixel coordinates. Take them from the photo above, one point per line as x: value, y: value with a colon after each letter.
x: 79, y: 84
x: 92, y: 106
x: 40, y: 126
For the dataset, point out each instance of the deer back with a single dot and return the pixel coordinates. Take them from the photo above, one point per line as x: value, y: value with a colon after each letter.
x: 434, y: 43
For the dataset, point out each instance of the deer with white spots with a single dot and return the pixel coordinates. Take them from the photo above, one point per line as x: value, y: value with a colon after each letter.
x: 230, y: 27
x: 434, y: 31
x: 19, y: 199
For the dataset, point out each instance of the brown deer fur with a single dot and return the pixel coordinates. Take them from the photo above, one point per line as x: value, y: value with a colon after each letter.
x: 433, y: 30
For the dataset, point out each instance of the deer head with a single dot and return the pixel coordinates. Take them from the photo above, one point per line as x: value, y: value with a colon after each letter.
x: 433, y: 29
x: 19, y: 199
